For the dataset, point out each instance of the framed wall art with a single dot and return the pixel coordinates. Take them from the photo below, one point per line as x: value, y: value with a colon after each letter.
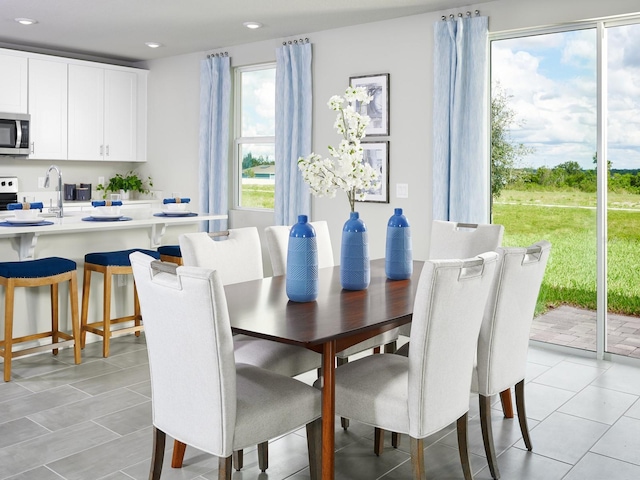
x: 376, y: 154
x: 378, y: 109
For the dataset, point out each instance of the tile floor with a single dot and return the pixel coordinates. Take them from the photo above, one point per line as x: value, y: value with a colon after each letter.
x: 92, y: 421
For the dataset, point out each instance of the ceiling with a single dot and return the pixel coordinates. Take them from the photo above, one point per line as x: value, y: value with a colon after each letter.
x: 118, y: 29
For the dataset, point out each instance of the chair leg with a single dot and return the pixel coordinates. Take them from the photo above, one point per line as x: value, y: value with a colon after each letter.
x: 417, y: 458
x: 86, y: 282
x: 522, y: 414
x: 378, y: 441
x: 106, y: 313
x: 8, y: 329
x: 178, y: 454
x: 507, y: 404
x: 487, y: 435
x: 224, y: 468
x: 344, y: 422
x: 463, y: 447
x: 263, y: 456
x: 314, y: 446
x: 75, y: 321
x: 159, y: 438
x: 395, y: 439
x: 238, y: 459
x: 55, y: 309
x: 391, y: 347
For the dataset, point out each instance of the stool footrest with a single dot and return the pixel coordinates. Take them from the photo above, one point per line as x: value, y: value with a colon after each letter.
x: 92, y: 327
x: 36, y: 336
x: 42, y: 348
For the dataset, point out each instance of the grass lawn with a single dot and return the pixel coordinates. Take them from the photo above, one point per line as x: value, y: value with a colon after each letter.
x: 571, y: 228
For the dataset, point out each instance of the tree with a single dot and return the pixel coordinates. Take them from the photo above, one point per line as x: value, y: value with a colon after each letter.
x: 505, y: 154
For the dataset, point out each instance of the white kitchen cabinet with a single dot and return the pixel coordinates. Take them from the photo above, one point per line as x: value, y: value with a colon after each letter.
x: 48, y: 109
x: 13, y: 82
x: 103, y: 114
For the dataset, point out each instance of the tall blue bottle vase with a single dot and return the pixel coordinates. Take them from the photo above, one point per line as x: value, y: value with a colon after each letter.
x: 354, y: 254
x: 302, y: 262
x: 398, y: 256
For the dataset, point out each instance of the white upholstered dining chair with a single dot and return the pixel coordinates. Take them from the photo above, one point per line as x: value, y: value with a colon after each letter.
x: 237, y: 257
x: 221, y: 418
x: 504, y: 336
x: 423, y: 393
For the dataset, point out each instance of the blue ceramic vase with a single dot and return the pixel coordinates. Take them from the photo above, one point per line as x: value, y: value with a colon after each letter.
x: 302, y: 262
x: 398, y: 263
x: 354, y: 255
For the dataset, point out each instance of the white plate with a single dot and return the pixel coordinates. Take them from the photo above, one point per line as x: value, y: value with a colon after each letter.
x: 176, y: 213
x: 98, y: 216
x: 25, y: 220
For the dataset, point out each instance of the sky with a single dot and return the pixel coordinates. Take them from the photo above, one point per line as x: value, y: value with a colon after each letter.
x: 552, y: 85
x: 258, y: 109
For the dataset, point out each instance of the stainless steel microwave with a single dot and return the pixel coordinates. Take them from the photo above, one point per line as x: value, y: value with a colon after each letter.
x: 14, y: 134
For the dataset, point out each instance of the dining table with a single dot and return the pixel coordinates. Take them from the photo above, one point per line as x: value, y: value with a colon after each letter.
x: 337, y: 319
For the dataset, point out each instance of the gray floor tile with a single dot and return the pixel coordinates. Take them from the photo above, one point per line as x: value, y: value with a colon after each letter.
x: 116, y: 476
x: 37, y: 402
x: 621, y: 442
x: 34, y: 365
x: 12, y: 390
x: 569, y: 376
x: 127, y: 420
x: 564, y: 437
x: 68, y: 375
x: 597, y: 467
x: 40, y: 473
x: 358, y: 462
x: 544, y: 356
x: 129, y: 359
x: 634, y: 410
x: 542, y: 400
x: 599, y: 404
x: 114, y: 380
x: 114, y: 455
x: 143, y: 388
x: 623, y: 378
x: 534, y: 370
x: 28, y: 455
x: 19, y: 430
x: 523, y: 465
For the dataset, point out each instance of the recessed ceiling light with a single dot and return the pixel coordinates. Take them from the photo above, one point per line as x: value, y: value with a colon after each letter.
x: 26, y: 21
x: 153, y: 44
x: 252, y: 25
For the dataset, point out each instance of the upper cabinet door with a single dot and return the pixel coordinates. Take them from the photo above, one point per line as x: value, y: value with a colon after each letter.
x: 120, y: 119
x: 48, y: 109
x: 13, y: 83
x: 86, y: 113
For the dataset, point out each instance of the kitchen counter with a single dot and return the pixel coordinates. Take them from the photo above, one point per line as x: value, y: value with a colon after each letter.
x: 72, y: 223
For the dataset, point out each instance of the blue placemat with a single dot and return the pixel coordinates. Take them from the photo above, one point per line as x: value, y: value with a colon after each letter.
x: 191, y: 214
x: 34, y: 224
x: 94, y: 219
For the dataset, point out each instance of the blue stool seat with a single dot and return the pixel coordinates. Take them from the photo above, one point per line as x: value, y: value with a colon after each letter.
x: 170, y: 250
x: 119, y: 258
x: 49, y: 271
x: 39, y: 268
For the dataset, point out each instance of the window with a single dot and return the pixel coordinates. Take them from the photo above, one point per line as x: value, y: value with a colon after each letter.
x: 254, y: 145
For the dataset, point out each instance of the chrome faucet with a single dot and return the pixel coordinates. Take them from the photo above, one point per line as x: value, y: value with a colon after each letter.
x: 59, y: 210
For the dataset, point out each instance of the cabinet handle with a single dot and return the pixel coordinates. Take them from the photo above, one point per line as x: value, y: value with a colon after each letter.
x: 107, y: 150
x: 101, y: 149
x: 33, y: 144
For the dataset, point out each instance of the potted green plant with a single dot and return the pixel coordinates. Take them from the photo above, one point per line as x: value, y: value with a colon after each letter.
x: 125, y: 183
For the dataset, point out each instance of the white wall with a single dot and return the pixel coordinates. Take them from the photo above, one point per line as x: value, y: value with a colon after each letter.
x: 401, y: 47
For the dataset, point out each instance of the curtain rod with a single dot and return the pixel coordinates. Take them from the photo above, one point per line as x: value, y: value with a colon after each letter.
x: 452, y: 16
x: 221, y: 54
x: 295, y: 42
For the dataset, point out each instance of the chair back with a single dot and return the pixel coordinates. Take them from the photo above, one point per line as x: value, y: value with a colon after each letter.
x: 504, y: 335
x: 447, y: 314
x: 237, y: 258
x: 194, y: 395
x: 278, y: 242
x: 463, y: 240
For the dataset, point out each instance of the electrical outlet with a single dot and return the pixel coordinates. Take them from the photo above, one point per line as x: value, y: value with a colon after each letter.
x: 402, y: 190
x: 40, y: 182
x: 100, y: 180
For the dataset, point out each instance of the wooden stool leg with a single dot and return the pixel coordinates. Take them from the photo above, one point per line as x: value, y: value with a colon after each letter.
x: 178, y: 454
x: 106, y: 313
x: 86, y: 282
x: 136, y: 308
x: 507, y: 405
x: 8, y: 329
x: 75, y: 321
x: 55, y: 308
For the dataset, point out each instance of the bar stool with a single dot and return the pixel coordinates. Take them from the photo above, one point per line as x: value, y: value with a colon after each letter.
x: 170, y: 253
x: 109, y: 264
x: 35, y: 273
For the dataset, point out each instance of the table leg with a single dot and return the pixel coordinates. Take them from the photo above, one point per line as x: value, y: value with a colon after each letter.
x: 328, y: 409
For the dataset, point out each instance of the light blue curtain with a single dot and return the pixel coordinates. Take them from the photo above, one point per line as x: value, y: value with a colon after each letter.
x: 460, y: 121
x: 215, y: 92
x: 293, y: 130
